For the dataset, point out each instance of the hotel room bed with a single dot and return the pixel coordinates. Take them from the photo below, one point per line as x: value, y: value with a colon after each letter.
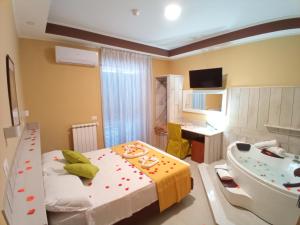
x: 118, y: 191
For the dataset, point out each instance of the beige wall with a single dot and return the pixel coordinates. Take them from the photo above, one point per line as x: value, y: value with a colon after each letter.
x: 58, y: 95
x: 273, y: 62
x: 8, y: 45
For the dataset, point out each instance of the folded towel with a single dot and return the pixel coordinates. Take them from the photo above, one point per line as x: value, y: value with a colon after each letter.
x: 221, y: 166
x: 223, y: 174
x: 266, y: 144
x: 277, y: 150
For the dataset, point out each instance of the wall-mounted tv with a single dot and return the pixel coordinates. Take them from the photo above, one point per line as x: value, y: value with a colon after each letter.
x: 207, y: 78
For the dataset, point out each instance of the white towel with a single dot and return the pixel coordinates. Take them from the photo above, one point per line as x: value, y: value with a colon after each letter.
x: 221, y: 166
x: 277, y: 150
x: 266, y: 144
x: 223, y: 174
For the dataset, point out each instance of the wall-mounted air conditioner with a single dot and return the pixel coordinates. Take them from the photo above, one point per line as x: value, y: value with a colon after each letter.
x: 76, y: 56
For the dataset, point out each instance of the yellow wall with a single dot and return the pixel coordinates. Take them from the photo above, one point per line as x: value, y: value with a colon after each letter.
x: 8, y: 45
x: 160, y: 67
x: 273, y: 62
x: 58, y: 95
x: 265, y: 63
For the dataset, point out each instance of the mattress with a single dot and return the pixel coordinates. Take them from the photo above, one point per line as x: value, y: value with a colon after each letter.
x: 118, y: 183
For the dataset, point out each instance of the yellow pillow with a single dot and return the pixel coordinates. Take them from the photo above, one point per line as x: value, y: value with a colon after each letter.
x: 82, y: 170
x: 74, y: 157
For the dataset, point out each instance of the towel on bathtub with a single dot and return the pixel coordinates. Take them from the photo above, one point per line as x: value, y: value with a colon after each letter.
x: 266, y: 144
x: 277, y: 150
x: 221, y: 166
x: 223, y: 174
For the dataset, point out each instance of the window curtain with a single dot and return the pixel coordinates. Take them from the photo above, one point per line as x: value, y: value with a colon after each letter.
x: 126, y: 96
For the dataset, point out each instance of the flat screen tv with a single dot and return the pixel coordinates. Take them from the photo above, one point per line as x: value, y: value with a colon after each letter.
x: 208, y: 78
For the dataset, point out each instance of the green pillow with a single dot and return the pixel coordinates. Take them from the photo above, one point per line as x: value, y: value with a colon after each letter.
x: 82, y: 170
x: 74, y: 157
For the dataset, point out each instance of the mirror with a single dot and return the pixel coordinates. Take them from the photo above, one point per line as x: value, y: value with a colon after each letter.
x: 203, y: 101
x: 12, y: 91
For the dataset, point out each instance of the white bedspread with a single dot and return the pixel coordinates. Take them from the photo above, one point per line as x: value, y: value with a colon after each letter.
x: 117, y: 191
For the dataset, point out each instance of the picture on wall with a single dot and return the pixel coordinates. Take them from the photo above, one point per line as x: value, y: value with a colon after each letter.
x: 12, y: 91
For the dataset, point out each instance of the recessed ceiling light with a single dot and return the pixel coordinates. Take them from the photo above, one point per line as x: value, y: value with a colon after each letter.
x: 172, y: 12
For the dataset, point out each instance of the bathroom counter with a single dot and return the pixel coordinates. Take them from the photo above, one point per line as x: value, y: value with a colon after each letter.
x: 206, y: 131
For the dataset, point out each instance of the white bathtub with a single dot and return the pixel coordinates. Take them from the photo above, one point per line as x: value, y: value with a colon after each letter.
x: 261, y: 178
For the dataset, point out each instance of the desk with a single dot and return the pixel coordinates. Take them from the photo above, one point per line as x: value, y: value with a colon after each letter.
x: 209, y: 137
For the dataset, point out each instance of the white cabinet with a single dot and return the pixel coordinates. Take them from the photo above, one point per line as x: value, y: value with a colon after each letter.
x: 174, y: 97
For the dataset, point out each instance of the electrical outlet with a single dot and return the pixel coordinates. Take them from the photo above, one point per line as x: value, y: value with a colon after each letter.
x: 6, y: 167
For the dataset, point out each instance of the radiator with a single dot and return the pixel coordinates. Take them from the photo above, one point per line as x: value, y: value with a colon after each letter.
x: 85, y: 137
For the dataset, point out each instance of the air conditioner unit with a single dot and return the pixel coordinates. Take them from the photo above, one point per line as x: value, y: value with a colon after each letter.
x: 76, y: 56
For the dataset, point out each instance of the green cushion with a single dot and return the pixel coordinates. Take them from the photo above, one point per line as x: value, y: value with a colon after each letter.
x: 74, y: 157
x: 82, y: 170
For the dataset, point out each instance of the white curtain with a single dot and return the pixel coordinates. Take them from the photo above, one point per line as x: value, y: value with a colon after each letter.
x: 198, y: 100
x: 127, y: 96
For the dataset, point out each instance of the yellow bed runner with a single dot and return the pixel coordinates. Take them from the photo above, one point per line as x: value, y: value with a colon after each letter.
x: 172, y: 178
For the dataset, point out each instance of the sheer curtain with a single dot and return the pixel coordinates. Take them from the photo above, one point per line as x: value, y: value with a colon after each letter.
x: 198, y: 100
x: 126, y: 96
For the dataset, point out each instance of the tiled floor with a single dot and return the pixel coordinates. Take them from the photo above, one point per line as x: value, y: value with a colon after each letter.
x: 195, y: 208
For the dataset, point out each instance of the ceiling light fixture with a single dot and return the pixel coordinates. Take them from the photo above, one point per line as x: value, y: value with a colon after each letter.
x: 172, y: 12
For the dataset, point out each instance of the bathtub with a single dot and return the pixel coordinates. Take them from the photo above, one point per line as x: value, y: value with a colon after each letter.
x: 260, y: 178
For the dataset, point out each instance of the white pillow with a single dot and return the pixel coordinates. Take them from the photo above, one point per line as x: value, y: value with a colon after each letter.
x: 54, y: 168
x: 52, y: 156
x: 65, y: 193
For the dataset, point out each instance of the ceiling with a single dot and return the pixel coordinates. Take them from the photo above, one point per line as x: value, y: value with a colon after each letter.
x: 200, y: 19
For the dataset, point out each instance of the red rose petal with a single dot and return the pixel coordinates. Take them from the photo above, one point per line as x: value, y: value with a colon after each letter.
x: 123, y: 178
x: 28, y: 168
x: 106, y: 187
x: 119, y: 185
x: 128, y: 179
x: 30, y: 198
x: 298, y: 190
x: 126, y: 189
x: 30, y: 211
x: 20, y: 171
x: 21, y: 190
x: 27, y: 161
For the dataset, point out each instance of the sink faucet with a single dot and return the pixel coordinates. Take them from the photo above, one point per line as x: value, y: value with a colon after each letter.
x: 210, y: 125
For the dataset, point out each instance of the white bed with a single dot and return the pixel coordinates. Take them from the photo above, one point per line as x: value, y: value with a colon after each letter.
x: 118, y: 183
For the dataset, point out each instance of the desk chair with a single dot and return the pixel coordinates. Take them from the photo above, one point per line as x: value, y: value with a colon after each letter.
x: 176, y: 145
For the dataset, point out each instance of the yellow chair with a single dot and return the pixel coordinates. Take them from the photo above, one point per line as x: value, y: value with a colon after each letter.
x: 177, y: 146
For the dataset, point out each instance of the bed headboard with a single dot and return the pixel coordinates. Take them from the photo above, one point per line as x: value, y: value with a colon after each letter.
x: 24, y: 189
